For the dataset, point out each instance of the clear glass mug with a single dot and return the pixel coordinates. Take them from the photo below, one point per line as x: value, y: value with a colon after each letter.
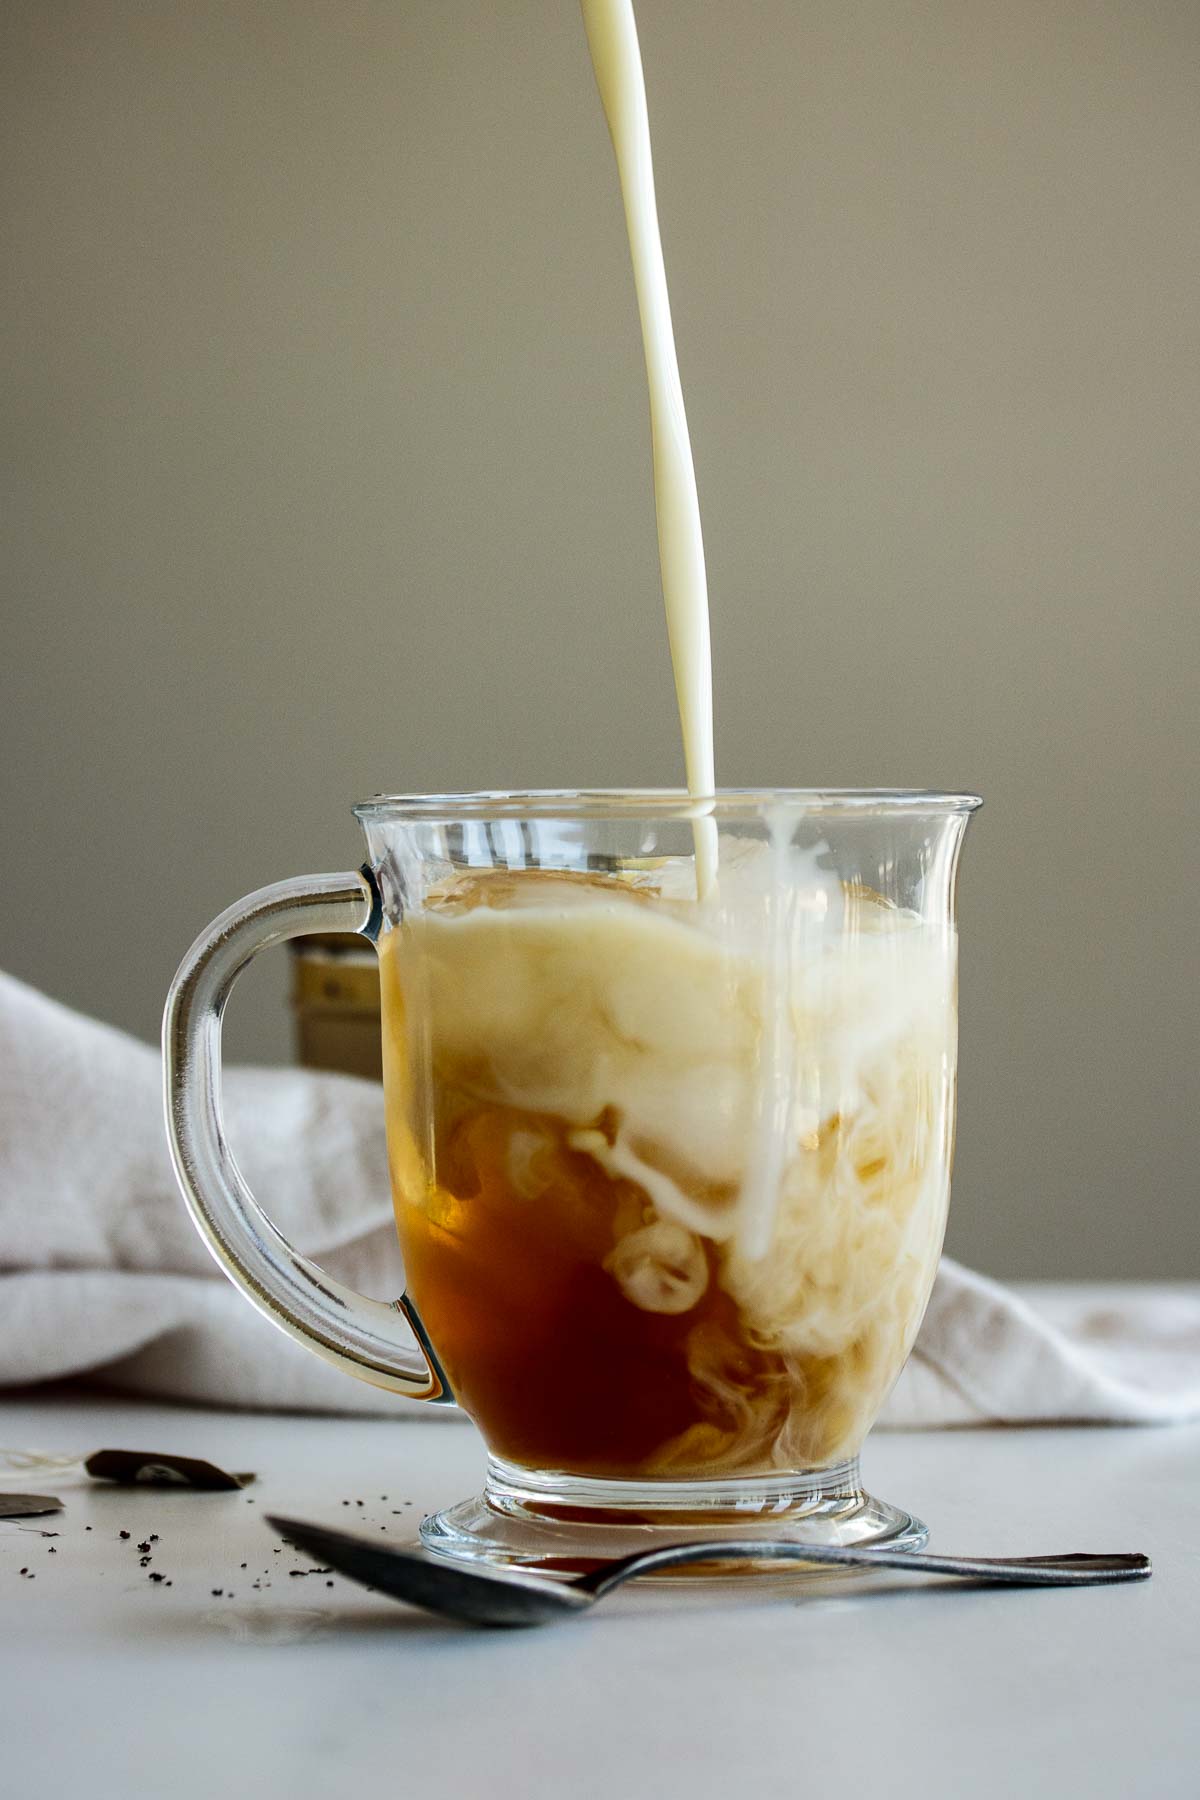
x: 670, y: 1169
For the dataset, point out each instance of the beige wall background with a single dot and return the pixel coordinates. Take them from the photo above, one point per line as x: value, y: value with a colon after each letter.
x: 326, y: 471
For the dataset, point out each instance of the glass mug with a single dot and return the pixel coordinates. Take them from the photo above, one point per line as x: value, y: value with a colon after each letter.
x: 670, y: 1169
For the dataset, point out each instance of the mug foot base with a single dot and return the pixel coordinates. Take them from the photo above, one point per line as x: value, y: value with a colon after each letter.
x: 566, y: 1525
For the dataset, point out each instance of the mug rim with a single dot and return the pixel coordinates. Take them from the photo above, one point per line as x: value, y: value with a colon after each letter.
x: 677, y: 803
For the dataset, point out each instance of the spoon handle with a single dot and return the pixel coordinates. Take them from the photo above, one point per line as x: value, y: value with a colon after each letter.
x: 1072, y: 1569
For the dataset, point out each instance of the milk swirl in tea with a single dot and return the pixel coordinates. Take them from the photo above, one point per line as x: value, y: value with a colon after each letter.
x: 671, y: 1142
x: 573, y: 1198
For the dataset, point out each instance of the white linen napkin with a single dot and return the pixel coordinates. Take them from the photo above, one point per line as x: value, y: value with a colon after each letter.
x: 102, y: 1273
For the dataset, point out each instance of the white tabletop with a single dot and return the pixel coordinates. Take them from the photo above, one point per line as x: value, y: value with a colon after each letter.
x: 111, y: 1684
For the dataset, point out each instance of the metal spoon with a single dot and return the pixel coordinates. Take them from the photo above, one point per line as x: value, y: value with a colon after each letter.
x: 487, y: 1596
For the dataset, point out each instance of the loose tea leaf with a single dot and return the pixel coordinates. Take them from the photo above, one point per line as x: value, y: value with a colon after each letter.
x: 28, y: 1506
x: 154, y: 1468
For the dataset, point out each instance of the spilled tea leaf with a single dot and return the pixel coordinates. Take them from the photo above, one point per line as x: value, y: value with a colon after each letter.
x: 28, y: 1506
x: 156, y: 1468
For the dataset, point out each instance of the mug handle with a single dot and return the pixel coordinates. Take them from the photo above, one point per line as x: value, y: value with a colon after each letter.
x: 366, y: 1338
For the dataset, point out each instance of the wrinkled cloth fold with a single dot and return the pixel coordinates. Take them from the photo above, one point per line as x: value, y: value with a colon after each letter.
x: 103, y: 1276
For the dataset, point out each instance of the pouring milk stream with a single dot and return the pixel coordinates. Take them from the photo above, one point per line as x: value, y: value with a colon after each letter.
x: 616, y: 59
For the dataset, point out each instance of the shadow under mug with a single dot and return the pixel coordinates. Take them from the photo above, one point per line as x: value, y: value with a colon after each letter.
x: 670, y: 1170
